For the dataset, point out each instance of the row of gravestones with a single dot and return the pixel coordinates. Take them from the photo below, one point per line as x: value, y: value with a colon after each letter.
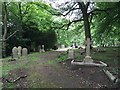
x: 18, y: 52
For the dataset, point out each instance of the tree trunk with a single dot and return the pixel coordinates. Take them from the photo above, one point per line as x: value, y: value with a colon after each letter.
x: 85, y: 19
x: 86, y: 23
x: 86, y: 26
x: 5, y: 30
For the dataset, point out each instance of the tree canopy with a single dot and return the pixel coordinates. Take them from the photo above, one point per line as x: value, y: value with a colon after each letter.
x: 30, y: 24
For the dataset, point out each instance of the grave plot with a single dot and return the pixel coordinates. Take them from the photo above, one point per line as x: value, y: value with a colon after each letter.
x: 88, y: 61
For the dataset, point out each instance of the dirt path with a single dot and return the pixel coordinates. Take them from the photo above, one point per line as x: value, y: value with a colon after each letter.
x: 47, y: 73
x: 64, y: 76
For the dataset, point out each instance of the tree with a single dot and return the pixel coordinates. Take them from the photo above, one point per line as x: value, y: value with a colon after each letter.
x: 5, y: 29
x: 107, y: 30
x: 22, y: 16
x: 82, y: 11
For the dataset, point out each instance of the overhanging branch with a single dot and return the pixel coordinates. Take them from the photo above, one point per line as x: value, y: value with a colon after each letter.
x: 99, y: 10
x: 11, y: 35
x: 3, y: 40
x: 68, y: 24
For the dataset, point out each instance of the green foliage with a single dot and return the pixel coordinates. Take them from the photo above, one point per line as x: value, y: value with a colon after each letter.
x: 107, y: 23
x: 33, y: 23
x: 75, y: 33
x: 36, y: 26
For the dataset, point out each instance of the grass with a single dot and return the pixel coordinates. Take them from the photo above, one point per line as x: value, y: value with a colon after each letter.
x: 109, y: 57
x: 22, y: 63
x: 62, y: 57
x: 26, y: 63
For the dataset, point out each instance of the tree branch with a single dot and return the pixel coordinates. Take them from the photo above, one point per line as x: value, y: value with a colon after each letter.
x: 68, y: 24
x: 26, y: 10
x: 11, y: 35
x: 70, y: 11
x: 88, y: 3
x: 99, y: 10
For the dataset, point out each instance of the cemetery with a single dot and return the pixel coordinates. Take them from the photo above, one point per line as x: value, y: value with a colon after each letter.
x: 50, y: 44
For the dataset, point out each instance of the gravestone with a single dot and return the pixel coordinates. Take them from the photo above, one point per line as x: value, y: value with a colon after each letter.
x: 39, y: 48
x: 62, y: 46
x: 88, y: 61
x: 43, y: 48
x: 70, y: 54
x: 19, y: 51
x: 15, y: 52
x: 88, y: 58
x: 24, y: 52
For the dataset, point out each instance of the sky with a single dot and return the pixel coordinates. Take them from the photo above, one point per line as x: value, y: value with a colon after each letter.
x: 54, y: 4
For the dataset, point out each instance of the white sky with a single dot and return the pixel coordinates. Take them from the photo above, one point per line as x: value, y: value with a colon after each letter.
x: 54, y: 4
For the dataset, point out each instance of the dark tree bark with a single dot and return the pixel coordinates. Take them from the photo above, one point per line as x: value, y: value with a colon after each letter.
x: 5, y: 30
x: 85, y: 19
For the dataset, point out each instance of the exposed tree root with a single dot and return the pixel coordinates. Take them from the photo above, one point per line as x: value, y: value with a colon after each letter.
x: 13, y: 81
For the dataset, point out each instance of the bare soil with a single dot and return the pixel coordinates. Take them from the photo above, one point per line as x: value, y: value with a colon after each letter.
x: 59, y: 75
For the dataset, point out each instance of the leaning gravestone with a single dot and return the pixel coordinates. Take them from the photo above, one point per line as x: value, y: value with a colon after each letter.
x: 24, y: 52
x: 19, y: 51
x: 70, y: 54
x: 15, y: 52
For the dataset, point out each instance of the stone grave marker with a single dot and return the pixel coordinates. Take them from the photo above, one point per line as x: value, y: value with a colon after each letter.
x: 15, y: 52
x: 39, y: 48
x: 70, y: 54
x: 24, y: 52
x: 19, y: 51
x: 88, y: 58
x: 62, y: 46
x: 43, y: 48
x: 88, y: 61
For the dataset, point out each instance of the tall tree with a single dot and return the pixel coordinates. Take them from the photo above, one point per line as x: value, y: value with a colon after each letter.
x: 5, y: 29
x: 76, y: 12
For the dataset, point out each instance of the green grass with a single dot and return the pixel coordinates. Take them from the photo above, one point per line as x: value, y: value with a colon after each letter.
x: 110, y: 56
x: 62, y: 57
x: 26, y: 63
x: 22, y: 63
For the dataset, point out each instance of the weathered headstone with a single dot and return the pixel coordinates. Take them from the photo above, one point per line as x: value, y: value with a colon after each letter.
x: 43, y: 48
x: 24, y: 52
x: 62, y: 46
x: 88, y: 58
x: 70, y: 54
x: 15, y: 52
x: 39, y: 48
x: 73, y: 46
x: 19, y: 51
